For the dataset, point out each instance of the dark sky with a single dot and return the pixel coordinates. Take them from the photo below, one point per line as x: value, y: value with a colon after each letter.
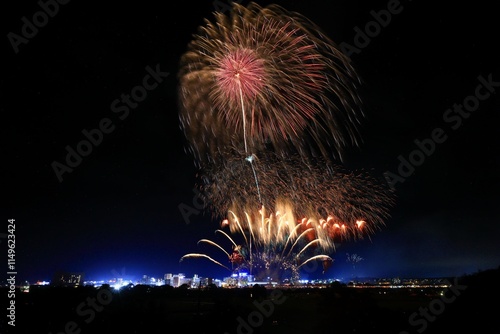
x: 118, y: 210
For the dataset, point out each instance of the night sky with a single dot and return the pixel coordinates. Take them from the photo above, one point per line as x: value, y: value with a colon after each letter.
x: 117, y: 213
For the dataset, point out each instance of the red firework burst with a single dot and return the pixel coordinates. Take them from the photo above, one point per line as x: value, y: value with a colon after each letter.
x: 266, y: 78
x: 241, y: 75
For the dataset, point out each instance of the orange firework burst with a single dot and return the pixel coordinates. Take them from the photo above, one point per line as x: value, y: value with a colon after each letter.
x: 267, y: 78
x: 271, y: 245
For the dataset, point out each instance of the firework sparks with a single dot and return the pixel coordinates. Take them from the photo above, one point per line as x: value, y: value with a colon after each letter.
x: 354, y: 259
x: 268, y: 105
x: 345, y: 204
x: 267, y: 78
x: 271, y: 247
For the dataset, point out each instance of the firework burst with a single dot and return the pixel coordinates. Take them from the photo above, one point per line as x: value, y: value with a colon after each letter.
x: 272, y: 246
x: 268, y: 105
x: 347, y: 204
x: 266, y: 78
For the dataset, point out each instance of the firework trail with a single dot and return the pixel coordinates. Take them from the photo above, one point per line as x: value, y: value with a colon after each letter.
x: 266, y: 79
x: 268, y: 105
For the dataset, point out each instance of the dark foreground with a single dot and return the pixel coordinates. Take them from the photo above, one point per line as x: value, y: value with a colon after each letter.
x: 472, y: 302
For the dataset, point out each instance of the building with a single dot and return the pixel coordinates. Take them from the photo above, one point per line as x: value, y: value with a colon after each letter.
x: 178, y: 280
x: 67, y: 279
x: 168, y: 279
x: 195, y: 281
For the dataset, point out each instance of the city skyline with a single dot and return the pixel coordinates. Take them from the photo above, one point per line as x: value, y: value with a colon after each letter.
x: 346, y: 274
x: 241, y: 279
